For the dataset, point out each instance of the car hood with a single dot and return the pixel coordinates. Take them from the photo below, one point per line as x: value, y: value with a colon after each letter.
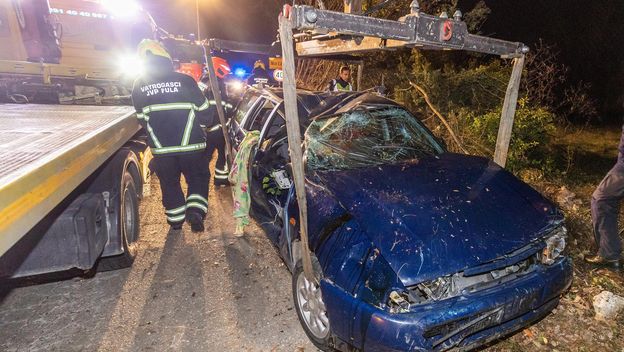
x: 442, y: 214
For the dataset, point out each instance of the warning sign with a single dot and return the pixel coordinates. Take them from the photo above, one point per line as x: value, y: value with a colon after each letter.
x: 275, y: 63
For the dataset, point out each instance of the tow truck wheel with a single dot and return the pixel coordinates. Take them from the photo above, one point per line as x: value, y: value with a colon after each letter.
x: 127, y: 211
x: 310, y: 306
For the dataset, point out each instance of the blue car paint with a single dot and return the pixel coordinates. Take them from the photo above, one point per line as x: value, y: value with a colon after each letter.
x: 375, y: 329
x: 384, y: 228
x: 443, y: 214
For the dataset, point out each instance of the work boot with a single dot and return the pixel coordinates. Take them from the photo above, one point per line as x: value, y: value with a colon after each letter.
x: 599, y: 261
x: 196, y: 221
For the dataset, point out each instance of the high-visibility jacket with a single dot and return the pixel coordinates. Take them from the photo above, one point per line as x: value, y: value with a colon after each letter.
x: 172, y: 109
x: 204, y: 86
x: 339, y: 85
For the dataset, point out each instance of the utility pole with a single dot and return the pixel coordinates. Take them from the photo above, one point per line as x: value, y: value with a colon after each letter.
x: 197, y: 18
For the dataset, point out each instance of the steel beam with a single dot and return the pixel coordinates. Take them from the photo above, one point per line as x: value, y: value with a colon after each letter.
x: 229, y: 45
x: 414, y: 30
x: 294, y: 140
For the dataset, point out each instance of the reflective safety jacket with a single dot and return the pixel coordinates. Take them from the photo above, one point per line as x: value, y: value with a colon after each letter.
x: 204, y: 86
x: 339, y: 85
x: 173, y: 110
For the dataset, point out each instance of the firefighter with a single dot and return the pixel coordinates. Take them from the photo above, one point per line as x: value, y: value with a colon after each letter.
x: 259, y: 75
x: 341, y: 84
x: 215, y: 134
x: 171, y: 108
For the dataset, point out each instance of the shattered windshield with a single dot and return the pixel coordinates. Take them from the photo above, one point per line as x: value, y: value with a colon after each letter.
x: 366, y: 137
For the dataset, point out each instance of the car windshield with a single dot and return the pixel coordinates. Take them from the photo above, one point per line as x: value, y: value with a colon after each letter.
x: 367, y: 137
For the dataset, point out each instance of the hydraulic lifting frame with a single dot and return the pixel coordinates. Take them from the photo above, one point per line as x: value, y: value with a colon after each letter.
x: 348, y: 33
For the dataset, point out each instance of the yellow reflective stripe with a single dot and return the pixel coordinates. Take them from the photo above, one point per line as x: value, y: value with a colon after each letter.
x: 202, y: 107
x: 197, y: 197
x: 140, y: 116
x: 176, y: 210
x: 179, y: 149
x: 214, y: 102
x: 176, y: 218
x: 187, y: 130
x: 221, y: 177
x: 153, y: 136
x: 202, y: 85
x: 165, y: 107
x: 197, y: 205
x: 215, y: 128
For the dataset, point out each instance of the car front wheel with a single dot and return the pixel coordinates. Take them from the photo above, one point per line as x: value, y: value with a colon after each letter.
x: 310, y: 306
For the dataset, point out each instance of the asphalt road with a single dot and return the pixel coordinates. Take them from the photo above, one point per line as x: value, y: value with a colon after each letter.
x: 185, y: 292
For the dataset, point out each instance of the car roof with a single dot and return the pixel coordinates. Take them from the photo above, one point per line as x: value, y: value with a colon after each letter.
x: 323, y: 104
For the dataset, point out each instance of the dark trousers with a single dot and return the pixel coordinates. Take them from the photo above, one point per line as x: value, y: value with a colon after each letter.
x: 216, y: 142
x: 605, y: 207
x: 194, y: 167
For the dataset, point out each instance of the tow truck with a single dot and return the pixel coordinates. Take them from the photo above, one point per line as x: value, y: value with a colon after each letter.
x: 73, y: 158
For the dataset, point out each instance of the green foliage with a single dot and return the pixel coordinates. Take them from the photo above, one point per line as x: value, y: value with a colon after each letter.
x: 530, y: 141
x: 468, y: 89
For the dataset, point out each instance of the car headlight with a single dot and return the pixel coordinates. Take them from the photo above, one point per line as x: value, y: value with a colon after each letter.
x: 555, y: 244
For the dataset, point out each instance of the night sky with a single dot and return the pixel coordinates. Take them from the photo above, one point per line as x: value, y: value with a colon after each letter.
x: 589, y: 34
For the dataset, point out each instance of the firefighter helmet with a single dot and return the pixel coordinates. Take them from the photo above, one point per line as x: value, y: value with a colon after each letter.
x: 221, y: 67
x: 259, y: 64
x: 153, y: 47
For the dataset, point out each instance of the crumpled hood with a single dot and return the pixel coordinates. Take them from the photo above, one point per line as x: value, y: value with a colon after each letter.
x: 443, y: 214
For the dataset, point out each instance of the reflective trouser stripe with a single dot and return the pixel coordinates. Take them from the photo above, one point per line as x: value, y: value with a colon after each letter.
x: 188, y: 128
x: 197, y: 205
x: 177, y: 218
x: 176, y: 211
x: 221, y: 174
x: 197, y: 197
x: 178, y: 149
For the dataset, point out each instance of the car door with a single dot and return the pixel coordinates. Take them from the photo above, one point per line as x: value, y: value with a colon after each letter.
x: 246, y: 107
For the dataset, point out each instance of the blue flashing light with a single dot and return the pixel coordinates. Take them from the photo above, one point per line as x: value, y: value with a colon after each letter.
x: 240, y: 72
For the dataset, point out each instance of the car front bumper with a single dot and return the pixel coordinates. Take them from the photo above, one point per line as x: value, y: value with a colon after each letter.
x: 462, y: 322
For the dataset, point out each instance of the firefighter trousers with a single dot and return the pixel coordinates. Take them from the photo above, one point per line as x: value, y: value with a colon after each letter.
x: 194, y: 167
x: 216, y: 142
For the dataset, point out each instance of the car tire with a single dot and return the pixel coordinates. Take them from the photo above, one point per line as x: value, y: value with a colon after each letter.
x: 127, y: 212
x: 310, y: 308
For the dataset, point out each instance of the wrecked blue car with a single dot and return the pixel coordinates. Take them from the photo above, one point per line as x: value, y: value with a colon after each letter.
x: 415, y: 248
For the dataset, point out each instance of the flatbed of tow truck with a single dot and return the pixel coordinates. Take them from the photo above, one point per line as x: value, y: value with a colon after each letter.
x: 46, y: 151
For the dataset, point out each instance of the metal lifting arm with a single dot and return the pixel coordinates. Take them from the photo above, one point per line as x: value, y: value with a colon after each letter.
x: 241, y: 47
x: 414, y: 30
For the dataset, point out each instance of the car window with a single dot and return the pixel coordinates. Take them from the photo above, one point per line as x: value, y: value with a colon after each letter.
x: 259, y: 118
x: 368, y: 136
x: 276, y: 122
x: 273, y: 130
x: 243, y: 106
